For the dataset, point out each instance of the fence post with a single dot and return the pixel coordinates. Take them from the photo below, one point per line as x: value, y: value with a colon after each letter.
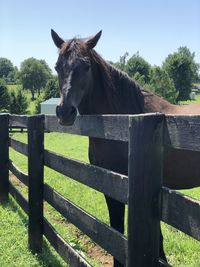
x: 145, y: 180
x: 4, y: 157
x: 35, y: 173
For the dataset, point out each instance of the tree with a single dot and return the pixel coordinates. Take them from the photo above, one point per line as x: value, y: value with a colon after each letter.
x: 121, y: 64
x: 51, y: 88
x: 140, y: 79
x: 4, y: 97
x: 34, y: 74
x: 183, y: 70
x: 162, y: 84
x: 18, y: 103
x: 6, y: 67
x: 137, y: 64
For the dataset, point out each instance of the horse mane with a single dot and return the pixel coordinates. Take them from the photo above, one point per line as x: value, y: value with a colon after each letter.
x: 118, y: 86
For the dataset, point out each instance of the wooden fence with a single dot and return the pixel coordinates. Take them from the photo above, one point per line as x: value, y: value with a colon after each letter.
x: 148, y: 202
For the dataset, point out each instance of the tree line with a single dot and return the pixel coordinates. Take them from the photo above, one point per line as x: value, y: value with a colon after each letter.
x: 173, y: 80
x: 34, y: 75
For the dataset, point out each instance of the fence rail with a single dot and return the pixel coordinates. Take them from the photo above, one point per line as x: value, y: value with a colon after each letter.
x: 110, y: 183
x: 147, y: 135
x: 182, y: 212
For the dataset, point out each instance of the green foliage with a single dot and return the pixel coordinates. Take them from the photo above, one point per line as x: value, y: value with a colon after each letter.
x: 4, y: 97
x: 162, y: 84
x: 34, y: 74
x: 51, y: 88
x: 39, y: 100
x: 140, y: 79
x: 182, y: 68
x: 6, y: 67
x: 18, y: 103
x: 122, y: 62
x: 138, y: 64
x: 7, y: 71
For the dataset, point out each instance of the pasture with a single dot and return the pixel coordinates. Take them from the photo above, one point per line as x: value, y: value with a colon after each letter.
x: 180, y: 249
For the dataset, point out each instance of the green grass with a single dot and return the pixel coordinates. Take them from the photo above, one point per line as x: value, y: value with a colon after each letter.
x: 13, y: 243
x: 187, y: 102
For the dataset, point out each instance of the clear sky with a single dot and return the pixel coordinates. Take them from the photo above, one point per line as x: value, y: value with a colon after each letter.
x: 155, y: 28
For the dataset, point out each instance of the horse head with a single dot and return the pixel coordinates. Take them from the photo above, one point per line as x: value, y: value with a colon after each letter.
x: 74, y: 68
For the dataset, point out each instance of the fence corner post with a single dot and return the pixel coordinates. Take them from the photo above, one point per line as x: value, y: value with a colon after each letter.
x: 145, y: 181
x: 4, y: 157
x: 36, y: 176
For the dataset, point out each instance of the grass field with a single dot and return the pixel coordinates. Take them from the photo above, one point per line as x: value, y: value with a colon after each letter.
x: 181, y: 250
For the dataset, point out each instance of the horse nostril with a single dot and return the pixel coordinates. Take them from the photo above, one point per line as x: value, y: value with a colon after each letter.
x: 57, y: 111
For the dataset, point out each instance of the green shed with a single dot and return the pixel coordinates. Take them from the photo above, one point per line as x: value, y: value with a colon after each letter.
x: 48, y: 107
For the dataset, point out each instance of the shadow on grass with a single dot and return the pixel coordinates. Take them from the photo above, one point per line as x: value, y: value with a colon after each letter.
x: 48, y: 257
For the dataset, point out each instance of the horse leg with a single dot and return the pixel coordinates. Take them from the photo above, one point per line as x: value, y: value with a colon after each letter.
x: 116, y: 211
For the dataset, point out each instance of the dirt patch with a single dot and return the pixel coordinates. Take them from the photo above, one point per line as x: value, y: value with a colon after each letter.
x: 101, y: 255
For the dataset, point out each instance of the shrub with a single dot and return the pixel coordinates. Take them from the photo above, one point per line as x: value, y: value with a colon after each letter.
x: 18, y: 103
x: 4, y: 97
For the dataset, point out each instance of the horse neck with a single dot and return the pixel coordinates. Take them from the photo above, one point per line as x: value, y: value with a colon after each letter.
x: 113, y: 93
x: 97, y: 100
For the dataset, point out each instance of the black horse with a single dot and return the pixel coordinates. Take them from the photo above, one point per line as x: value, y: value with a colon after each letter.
x: 89, y: 85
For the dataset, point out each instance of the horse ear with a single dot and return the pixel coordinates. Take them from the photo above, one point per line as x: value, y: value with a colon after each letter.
x: 56, y: 38
x: 92, y: 41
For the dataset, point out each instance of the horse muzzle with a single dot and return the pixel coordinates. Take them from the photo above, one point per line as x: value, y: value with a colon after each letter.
x: 66, y: 116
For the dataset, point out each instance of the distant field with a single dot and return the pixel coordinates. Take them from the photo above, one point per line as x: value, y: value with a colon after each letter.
x: 181, y: 250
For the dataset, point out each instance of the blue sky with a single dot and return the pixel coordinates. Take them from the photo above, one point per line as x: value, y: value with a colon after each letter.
x: 155, y: 28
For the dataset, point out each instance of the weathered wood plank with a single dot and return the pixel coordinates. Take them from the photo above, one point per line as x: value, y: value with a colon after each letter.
x: 19, y: 146
x: 181, y: 211
x: 18, y: 120
x: 18, y: 197
x: 19, y: 174
x: 35, y: 174
x: 70, y: 255
x: 145, y: 178
x: 107, y: 237
x: 4, y: 158
x: 113, y: 127
x: 182, y: 132
x: 110, y: 183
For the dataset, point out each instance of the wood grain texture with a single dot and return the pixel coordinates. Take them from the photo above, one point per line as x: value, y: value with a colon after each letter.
x: 35, y: 174
x: 100, y: 126
x: 183, y: 132
x: 110, y: 183
x: 18, y: 120
x: 145, y: 179
x: 19, y: 146
x: 19, y: 174
x: 181, y: 212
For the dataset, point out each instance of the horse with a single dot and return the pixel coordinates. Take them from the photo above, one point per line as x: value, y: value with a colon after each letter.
x: 90, y: 85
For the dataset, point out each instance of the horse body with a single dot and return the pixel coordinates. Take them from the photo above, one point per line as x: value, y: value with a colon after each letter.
x: 92, y: 86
